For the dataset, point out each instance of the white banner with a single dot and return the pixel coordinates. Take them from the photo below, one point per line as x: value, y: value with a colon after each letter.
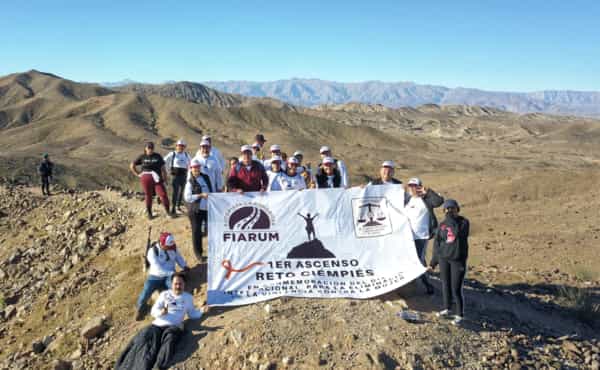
x: 328, y: 243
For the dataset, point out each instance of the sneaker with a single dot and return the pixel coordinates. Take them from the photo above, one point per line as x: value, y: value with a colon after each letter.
x: 149, y: 215
x: 171, y: 215
x: 457, y: 320
x: 444, y: 314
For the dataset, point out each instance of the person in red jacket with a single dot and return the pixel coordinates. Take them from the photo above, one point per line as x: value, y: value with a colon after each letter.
x: 248, y: 175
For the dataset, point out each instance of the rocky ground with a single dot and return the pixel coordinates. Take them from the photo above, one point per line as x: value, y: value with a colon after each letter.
x: 71, y: 266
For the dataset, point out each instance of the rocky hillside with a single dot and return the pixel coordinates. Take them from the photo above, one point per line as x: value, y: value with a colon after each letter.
x: 71, y: 271
x: 313, y: 92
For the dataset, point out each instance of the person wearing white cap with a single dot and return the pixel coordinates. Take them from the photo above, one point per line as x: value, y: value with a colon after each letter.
x: 275, y: 152
x: 325, y: 152
x: 386, y: 175
x: 292, y: 179
x: 418, y: 207
x: 210, y: 165
x: 177, y: 163
x: 304, y: 171
x: 215, y: 152
x: 275, y: 174
x: 257, y: 154
x: 329, y: 176
x: 248, y: 175
x: 161, y: 257
x: 197, y: 188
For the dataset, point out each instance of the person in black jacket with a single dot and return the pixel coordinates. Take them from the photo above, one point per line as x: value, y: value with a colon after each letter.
x: 418, y: 206
x: 450, y: 252
x: 45, y: 171
x: 330, y: 177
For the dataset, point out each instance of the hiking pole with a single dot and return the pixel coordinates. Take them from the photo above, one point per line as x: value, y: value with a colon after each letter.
x: 148, y: 245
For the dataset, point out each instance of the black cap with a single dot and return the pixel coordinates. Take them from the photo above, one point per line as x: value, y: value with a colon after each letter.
x: 260, y: 137
x: 451, y: 203
x: 149, y: 144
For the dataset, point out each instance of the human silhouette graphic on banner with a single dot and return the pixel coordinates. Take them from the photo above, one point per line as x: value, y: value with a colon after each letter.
x: 310, y: 227
x: 313, y: 248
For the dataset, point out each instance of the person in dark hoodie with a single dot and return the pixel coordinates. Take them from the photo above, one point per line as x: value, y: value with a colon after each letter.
x: 45, y: 171
x: 450, y: 252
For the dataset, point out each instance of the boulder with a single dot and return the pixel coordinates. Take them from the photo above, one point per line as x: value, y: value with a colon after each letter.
x: 94, y: 328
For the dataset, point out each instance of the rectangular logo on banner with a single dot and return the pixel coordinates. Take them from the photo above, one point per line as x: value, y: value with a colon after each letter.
x: 328, y: 243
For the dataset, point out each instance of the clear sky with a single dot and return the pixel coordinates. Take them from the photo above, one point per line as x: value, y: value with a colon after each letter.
x: 520, y: 45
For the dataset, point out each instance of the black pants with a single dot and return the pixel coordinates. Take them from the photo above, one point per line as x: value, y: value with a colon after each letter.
x: 45, y: 185
x: 153, y: 346
x: 196, y: 220
x: 452, y: 274
x: 421, y: 245
x: 178, y: 184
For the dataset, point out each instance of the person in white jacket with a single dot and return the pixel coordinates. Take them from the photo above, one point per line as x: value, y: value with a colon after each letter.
x: 292, y: 179
x: 215, y: 152
x: 275, y: 174
x: 155, y: 345
x: 210, y: 166
x: 325, y: 152
x: 275, y: 152
x: 161, y: 258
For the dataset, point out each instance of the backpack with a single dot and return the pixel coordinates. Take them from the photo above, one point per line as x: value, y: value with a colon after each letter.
x: 174, y: 171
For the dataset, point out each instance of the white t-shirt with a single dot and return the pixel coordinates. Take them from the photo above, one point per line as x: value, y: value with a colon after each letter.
x: 211, y: 167
x: 162, y: 264
x: 293, y: 182
x: 179, y: 160
x: 418, y: 216
x: 177, y: 306
x: 275, y: 180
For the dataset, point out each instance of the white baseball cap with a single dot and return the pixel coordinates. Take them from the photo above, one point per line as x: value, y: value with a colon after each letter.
x: 324, y: 149
x: 205, y: 143
x: 328, y: 160
x: 246, y: 148
x: 298, y: 152
x: 180, y: 142
x: 256, y: 145
x: 389, y: 164
x: 275, y: 147
x: 276, y: 158
x: 415, y: 181
x: 206, y: 137
x: 292, y: 160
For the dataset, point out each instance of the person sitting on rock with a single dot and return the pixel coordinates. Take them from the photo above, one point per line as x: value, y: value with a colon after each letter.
x: 45, y: 171
x: 450, y: 252
x: 161, y: 258
x: 329, y: 176
x: 155, y: 345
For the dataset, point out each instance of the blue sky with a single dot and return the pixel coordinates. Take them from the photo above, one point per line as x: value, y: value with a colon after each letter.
x: 495, y: 45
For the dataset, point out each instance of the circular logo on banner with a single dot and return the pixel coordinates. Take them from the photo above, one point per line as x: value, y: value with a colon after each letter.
x: 249, y: 218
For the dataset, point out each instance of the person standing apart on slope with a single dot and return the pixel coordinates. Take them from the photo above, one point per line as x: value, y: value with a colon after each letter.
x: 325, y: 152
x: 177, y: 163
x: 419, y: 204
x: 152, y: 177
x: 292, y: 179
x: 276, y: 175
x: 45, y: 171
x: 247, y: 175
x: 450, y: 252
x: 161, y: 258
x: 197, y: 188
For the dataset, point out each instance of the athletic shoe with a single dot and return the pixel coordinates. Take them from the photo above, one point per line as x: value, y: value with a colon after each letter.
x: 149, y: 215
x: 172, y: 215
x: 457, y: 320
x: 443, y: 314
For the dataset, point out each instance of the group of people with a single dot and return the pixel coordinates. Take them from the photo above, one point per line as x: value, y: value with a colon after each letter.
x: 194, y: 178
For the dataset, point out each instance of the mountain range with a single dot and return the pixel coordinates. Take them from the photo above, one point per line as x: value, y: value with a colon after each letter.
x: 313, y: 92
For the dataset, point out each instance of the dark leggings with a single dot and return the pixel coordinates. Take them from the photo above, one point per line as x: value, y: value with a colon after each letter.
x: 196, y: 220
x: 178, y: 184
x: 421, y: 245
x: 150, y: 187
x: 452, y: 274
x: 45, y: 184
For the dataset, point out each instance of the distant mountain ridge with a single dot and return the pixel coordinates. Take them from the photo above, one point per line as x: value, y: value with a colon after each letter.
x: 314, y: 92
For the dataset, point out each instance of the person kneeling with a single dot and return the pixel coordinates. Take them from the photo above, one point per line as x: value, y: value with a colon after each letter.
x: 155, y: 345
x: 450, y: 251
x: 160, y: 262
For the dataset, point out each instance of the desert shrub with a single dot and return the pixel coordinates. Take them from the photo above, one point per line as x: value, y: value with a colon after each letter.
x: 581, y: 302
